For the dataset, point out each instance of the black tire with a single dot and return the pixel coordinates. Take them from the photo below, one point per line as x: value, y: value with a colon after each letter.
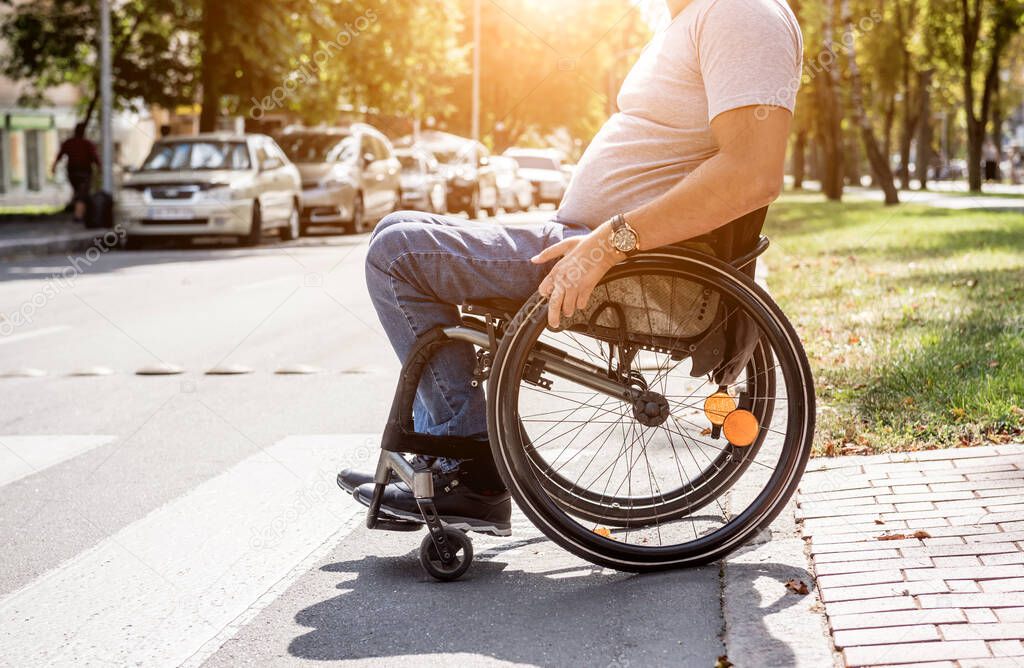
x: 511, y: 445
x: 255, y: 235
x: 293, y: 229
x: 134, y: 243
x: 462, y: 558
x: 357, y: 225
x: 473, y: 209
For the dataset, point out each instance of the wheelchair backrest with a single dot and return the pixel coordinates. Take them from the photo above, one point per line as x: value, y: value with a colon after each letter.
x: 732, y: 240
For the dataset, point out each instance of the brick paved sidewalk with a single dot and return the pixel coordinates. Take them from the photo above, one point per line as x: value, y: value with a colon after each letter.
x: 919, y: 557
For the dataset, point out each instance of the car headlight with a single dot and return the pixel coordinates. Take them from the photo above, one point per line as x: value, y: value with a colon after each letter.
x: 222, y: 193
x: 130, y: 197
x: 332, y: 182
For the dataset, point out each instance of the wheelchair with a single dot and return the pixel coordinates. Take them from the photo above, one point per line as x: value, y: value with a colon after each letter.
x: 664, y: 426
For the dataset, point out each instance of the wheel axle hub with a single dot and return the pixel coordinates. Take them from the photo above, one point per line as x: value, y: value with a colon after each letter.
x: 650, y: 409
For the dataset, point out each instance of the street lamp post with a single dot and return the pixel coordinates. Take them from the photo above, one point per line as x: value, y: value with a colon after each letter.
x: 476, y: 71
x: 106, y: 108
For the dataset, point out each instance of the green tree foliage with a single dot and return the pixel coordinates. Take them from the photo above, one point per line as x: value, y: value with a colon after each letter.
x: 548, y: 65
x: 53, y: 42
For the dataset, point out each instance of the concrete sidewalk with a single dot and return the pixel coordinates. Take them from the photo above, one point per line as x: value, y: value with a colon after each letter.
x: 919, y: 556
x: 45, y: 236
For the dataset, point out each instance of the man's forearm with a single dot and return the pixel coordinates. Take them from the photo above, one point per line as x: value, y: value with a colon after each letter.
x: 719, y: 191
x: 745, y: 175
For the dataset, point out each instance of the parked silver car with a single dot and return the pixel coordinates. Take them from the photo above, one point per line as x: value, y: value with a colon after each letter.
x: 350, y: 175
x: 424, y: 186
x: 543, y: 168
x: 211, y: 184
x: 514, y: 192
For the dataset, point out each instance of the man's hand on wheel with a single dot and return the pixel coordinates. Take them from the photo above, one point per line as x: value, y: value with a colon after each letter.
x: 569, y: 284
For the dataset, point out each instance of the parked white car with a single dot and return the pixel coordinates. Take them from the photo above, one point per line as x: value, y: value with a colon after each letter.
x: 542, y: 168
x: 213, y: 184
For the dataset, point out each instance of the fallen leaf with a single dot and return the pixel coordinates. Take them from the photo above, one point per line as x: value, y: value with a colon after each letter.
x: 723, y: 662
x: 854, y: 340
x: 603, y: 531
x: 705, y: 432
x: 922, y: 534
x: 797, y: 587
x: 891, y: 536
x: 879, y: 521
x: 993, y: 364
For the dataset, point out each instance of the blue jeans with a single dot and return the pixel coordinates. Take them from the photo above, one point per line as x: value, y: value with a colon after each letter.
x: 420, y: 267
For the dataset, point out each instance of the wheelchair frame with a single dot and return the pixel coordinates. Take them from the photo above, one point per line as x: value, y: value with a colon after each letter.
x: 483, y: 326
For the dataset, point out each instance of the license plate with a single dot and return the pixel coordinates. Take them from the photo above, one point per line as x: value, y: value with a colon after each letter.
x: 170, y: 213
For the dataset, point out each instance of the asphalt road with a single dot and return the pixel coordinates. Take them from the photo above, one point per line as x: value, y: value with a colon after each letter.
x: 191, y: 519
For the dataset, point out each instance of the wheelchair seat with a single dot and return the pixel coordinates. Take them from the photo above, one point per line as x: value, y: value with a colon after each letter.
x: 496, y: 306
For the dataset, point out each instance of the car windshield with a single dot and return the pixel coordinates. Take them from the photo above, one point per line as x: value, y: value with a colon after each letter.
x: 449, y: 157
x: 503, y: 165
x: 186, y: 155
x: 535, y: 162
x: 312, y: 147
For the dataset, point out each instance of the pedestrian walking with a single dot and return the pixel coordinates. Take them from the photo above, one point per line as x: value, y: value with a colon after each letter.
x: 81, y: 154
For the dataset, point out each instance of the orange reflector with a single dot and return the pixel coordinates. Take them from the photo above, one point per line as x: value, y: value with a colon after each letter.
x: 740, y: 428
x: 718, y: 406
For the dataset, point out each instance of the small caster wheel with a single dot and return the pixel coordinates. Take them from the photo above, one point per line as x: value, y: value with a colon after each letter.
x: 461, y: 556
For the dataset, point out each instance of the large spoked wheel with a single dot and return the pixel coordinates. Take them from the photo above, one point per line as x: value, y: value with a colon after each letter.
x: 675, y: 462
x: 614, y: 509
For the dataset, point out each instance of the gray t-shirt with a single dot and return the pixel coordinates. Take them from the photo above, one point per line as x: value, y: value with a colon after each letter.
x: 716, y: 55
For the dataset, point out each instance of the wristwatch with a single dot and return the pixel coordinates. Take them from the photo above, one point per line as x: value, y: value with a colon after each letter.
x: 624, y: 238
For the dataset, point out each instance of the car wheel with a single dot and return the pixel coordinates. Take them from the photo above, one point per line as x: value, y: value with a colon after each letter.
x: 292, y: 230
x: 358, y: 223
x: 473, y: 209
x: 255, y: 235
x: 438, y: 200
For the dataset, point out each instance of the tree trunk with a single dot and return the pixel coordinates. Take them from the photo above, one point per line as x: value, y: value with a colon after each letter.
x: 830, y: 129
x: 116, y: 55
x: 880, y: 168
x: 970, y: 28
x: 890, y: 120
x: 799, y: 159
x: 854, y: 171
x: 997, y: 127
x: 924, y: 128
x: 209, y: 76
x: 911, y: 118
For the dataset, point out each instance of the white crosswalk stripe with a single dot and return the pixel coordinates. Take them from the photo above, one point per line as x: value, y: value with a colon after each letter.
x: 171, y: 587
x: 21, y: 456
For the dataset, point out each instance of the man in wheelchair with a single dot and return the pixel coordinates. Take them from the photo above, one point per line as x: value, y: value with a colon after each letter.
x: 699, y: 143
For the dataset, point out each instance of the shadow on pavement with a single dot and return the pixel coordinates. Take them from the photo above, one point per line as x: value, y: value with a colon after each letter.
x: 528, y: 602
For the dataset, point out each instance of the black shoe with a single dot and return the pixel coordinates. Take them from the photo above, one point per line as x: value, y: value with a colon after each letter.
x: 350, y: 479
x: 457, y: 505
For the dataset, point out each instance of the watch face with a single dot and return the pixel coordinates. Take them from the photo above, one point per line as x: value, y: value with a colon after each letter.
x: 624, y: 240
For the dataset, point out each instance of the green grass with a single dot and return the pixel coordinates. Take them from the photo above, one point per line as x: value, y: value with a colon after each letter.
x: 912, y: 317
x: 30, y: 210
